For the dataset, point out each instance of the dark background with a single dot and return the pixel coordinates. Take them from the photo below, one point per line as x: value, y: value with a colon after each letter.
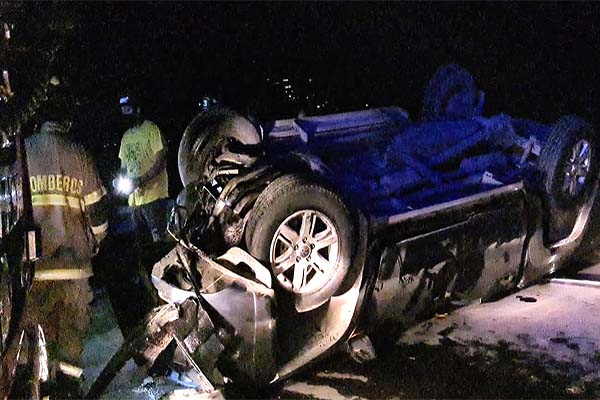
x: 534, y: 60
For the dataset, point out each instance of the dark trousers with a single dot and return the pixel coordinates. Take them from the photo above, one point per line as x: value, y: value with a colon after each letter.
x: 62, y: 308
x: 151, y: 220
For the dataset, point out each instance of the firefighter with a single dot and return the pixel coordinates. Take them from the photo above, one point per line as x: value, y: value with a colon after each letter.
x: 69, y: 206
x: 143, y: 156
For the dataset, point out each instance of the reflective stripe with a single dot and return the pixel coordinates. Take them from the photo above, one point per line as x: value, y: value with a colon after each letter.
x: 62, y: 274
x: 100, y: 228
x: 56, y: 200
x: 94, y: 197
x: 70, y: 369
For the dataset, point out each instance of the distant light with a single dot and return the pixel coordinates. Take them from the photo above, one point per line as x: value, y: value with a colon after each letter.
x: 310, y: 79
x: 367, y: 105
x: 285, y: 79
x: 124, y: 100
x: 318, y: 106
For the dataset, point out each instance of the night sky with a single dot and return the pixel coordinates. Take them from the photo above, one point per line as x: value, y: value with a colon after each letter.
x: 535, y: 60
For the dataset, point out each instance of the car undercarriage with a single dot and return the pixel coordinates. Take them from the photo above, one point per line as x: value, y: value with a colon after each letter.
x: 303, y: 239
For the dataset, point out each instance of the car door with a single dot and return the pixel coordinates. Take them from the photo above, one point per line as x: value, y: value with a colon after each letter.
x: 455, y: 252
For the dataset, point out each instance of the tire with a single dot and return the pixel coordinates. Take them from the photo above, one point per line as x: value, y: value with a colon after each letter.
x: 279, y: 222
x: 567, y: 178
x: 448, y: 81
x: 204, y: 136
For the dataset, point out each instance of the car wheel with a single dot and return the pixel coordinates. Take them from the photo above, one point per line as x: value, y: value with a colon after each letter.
x: 568, y: 162
x: 303, y: 231
x: 450, y: 84
x: 205, y: 135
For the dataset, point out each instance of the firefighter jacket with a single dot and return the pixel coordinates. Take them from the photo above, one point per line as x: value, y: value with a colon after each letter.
x: 69, y: 204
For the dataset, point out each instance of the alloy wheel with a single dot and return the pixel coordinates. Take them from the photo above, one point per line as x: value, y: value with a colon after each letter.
x: 304, y: 251
x: 577, y: 168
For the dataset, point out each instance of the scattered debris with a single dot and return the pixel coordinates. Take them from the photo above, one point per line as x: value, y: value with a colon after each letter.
x: 314, y: 391
x: 342, y: 376
x: 576, y: 389
x: 148, y: 381
x: 527, y: 299
x: 447, y: 331
x: 192, y: 394
x: 573, y: 346
x: 361, y: 349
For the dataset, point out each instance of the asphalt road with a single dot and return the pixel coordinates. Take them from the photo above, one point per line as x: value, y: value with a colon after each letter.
x: 542, y: 342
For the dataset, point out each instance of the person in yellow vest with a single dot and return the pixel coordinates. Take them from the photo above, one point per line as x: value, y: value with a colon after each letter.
x: 69, y: 206
x: 143, y: 156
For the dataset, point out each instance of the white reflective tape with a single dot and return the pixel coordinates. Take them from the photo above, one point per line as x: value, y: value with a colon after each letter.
x: 100, y: 229
x: 43, y: 356
x: 94, y: 197
x: 70, y: 370
x: 61, y: 274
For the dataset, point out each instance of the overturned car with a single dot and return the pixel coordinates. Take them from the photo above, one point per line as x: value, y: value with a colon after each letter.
x: 300, y: 240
